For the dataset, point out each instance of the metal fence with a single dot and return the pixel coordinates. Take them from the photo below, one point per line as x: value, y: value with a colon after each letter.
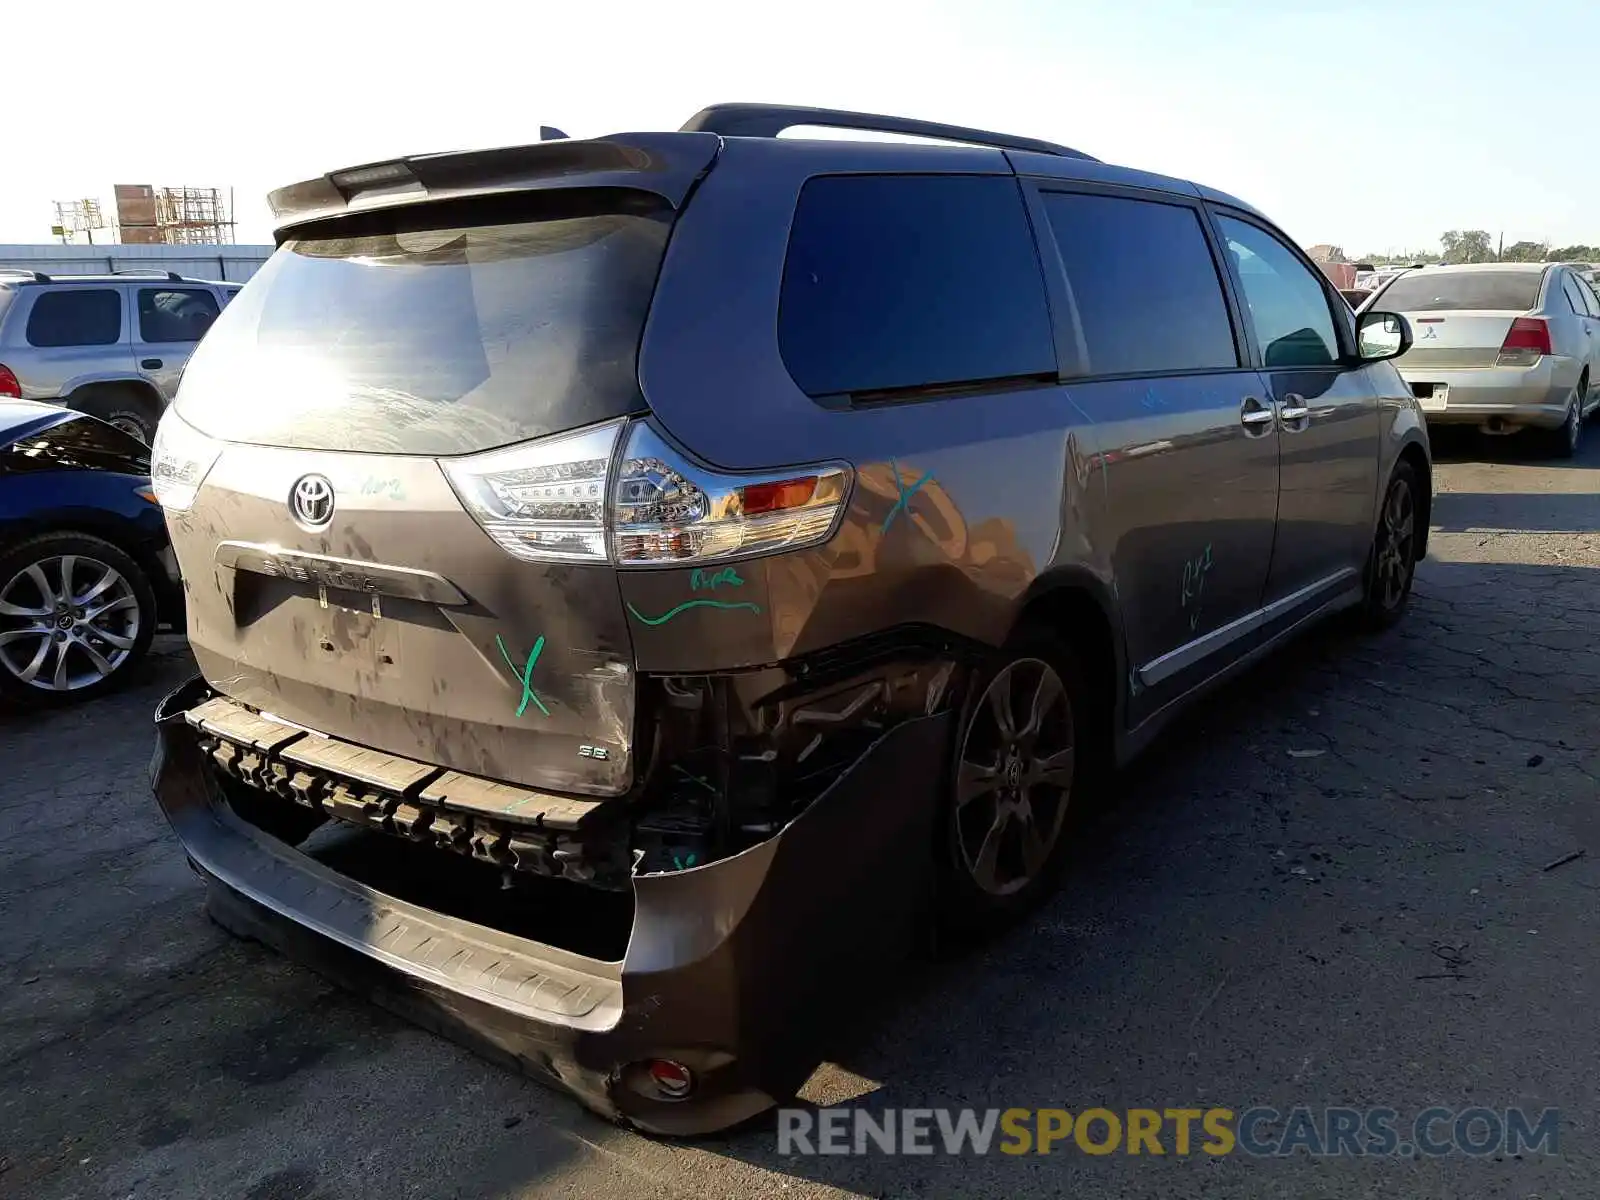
x: 230, y: 263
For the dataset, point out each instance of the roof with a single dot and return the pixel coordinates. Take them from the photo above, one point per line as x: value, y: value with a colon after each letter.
x: 1508, y: 268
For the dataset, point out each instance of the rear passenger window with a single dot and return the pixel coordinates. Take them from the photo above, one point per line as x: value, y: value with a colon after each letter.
x: 175, y: 314
x: 1145, y: 284
x: 1574, y: 293
x: 1288, y: 308
x: 901, y: 282
x: 76, y: 317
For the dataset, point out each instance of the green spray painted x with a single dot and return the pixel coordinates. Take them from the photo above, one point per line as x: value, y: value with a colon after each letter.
x: 526, y: 674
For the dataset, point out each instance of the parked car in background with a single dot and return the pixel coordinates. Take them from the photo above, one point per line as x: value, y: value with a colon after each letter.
x: 86, y: 571
x: 1502, y: 346
x: 1354, y: 297
x: 713, y: 552
x: 112, y: 346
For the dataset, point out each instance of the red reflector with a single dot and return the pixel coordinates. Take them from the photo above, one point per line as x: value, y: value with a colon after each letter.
x: 674, y: 1080
x: 9, y: 387
x: 774, y: 497
x: 1528, y: 333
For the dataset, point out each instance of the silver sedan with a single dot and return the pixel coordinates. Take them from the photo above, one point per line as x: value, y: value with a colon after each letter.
x: 1503, y: 346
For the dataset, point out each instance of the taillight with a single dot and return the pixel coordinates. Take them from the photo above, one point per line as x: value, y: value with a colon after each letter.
x: 180, y: 460
x: 666, y: 509
x: 1526, y: 340
x: 562, y: 499
x: 543, y: 501
x: 10, y: 389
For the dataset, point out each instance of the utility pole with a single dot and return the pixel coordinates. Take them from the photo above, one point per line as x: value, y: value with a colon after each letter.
x: 1500, y: 254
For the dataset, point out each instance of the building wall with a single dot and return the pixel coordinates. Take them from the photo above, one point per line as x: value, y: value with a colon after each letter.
x: 231, y: 263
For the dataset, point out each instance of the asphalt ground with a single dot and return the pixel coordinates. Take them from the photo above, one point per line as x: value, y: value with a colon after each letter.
x: 1334, y: 884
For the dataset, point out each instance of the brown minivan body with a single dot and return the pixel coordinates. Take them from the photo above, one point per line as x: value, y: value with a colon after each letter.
x: 543, y: 524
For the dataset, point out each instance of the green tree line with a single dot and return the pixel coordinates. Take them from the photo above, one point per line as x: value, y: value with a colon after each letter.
x: 1477, y: 245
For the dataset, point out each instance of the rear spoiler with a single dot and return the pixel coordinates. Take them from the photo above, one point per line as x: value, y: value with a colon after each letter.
x: 665, y: 164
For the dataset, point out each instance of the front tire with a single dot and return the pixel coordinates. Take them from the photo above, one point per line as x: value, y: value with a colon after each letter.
x: 1020, y: 751
x: 76, y: 615
x: 1392, y: 563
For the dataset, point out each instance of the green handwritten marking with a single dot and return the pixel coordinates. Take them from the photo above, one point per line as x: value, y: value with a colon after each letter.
x: 678, y: 865
x: 378, y: 487
x: 903, y: 504
x: 525, y: 675
x: 705, y: 579
x: 688, y: 604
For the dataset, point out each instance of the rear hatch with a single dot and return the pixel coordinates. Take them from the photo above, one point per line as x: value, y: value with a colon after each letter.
x: 400, y: 540
x: 1459, y: 319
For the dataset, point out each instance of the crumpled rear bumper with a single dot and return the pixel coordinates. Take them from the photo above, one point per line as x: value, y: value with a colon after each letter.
x: 740, y: 968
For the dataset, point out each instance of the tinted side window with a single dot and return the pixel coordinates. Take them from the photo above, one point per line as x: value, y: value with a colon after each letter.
x: 76, y: 317
x: 1287, y: 306
x: 1591, y: 302
x: 77, y: 444
x: 897, y: 282
x: 175, y: 314
x: 1574, y: 292
x: 1146, y: 287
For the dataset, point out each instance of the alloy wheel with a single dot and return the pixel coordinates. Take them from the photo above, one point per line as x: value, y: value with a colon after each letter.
x: 1396, y: 543
x: 1574, y: 427
x: 67, y: 622
x: 1014, y: 777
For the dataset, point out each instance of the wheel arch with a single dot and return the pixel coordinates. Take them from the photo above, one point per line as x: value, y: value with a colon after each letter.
x: 1413, y: 453
x: 109, y: 528
x: 1080, y: 608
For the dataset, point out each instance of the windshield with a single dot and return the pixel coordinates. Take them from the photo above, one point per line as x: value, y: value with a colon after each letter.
x: 1440, y: 291
x: 415, y: 332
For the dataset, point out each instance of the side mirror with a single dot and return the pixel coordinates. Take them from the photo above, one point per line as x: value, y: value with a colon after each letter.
x: 1381, y: 336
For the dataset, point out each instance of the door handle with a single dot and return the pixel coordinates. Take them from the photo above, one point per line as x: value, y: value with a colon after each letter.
x: 1254, y: 416
x: 150, y: 364
x: 1293, y: 408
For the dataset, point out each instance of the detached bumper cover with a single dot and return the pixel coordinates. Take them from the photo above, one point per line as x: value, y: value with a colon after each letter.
x: 740, y: 968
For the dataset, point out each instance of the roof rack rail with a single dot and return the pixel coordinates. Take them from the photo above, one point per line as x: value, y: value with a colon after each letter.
x: 769, y: 120
x: 154, y: 272
x: 25, y: 273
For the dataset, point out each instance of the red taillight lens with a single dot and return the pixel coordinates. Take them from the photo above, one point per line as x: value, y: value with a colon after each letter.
x: 775, y: 497
x: 1529, y: 334
x: 9, y: 387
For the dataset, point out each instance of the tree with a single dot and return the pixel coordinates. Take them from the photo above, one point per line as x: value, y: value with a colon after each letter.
x: 1575, y: 253
x: 1526, y: 252
x: 1469, y: 246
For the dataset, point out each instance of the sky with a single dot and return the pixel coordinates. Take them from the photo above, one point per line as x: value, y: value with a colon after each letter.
x: 1373, y: 126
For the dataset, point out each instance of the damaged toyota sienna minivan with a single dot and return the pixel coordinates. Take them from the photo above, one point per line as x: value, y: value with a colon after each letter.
x: 638, y: 582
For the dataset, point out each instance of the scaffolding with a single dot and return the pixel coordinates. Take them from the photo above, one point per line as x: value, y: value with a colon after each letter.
x: 174, y: 216
x: 77, y: 216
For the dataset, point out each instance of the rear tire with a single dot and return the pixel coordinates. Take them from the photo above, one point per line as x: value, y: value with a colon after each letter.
x: 1392, y: 562
x: 124, y: 407
x: 1565, y: 441
x: 68, y: 639
x: 1021, y: 750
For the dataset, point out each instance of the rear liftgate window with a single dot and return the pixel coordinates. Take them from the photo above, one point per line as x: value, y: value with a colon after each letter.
x: 900, y: 284
x: 438, y: 330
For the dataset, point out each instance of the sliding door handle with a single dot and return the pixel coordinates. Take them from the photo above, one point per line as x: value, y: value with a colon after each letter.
x: 1293, y: 408
x: 1255, y: 416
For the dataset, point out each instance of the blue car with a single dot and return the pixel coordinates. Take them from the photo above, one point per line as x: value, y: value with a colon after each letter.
x: 86, y: 571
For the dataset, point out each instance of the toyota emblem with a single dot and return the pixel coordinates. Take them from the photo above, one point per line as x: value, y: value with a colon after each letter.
x: 311, y: 501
